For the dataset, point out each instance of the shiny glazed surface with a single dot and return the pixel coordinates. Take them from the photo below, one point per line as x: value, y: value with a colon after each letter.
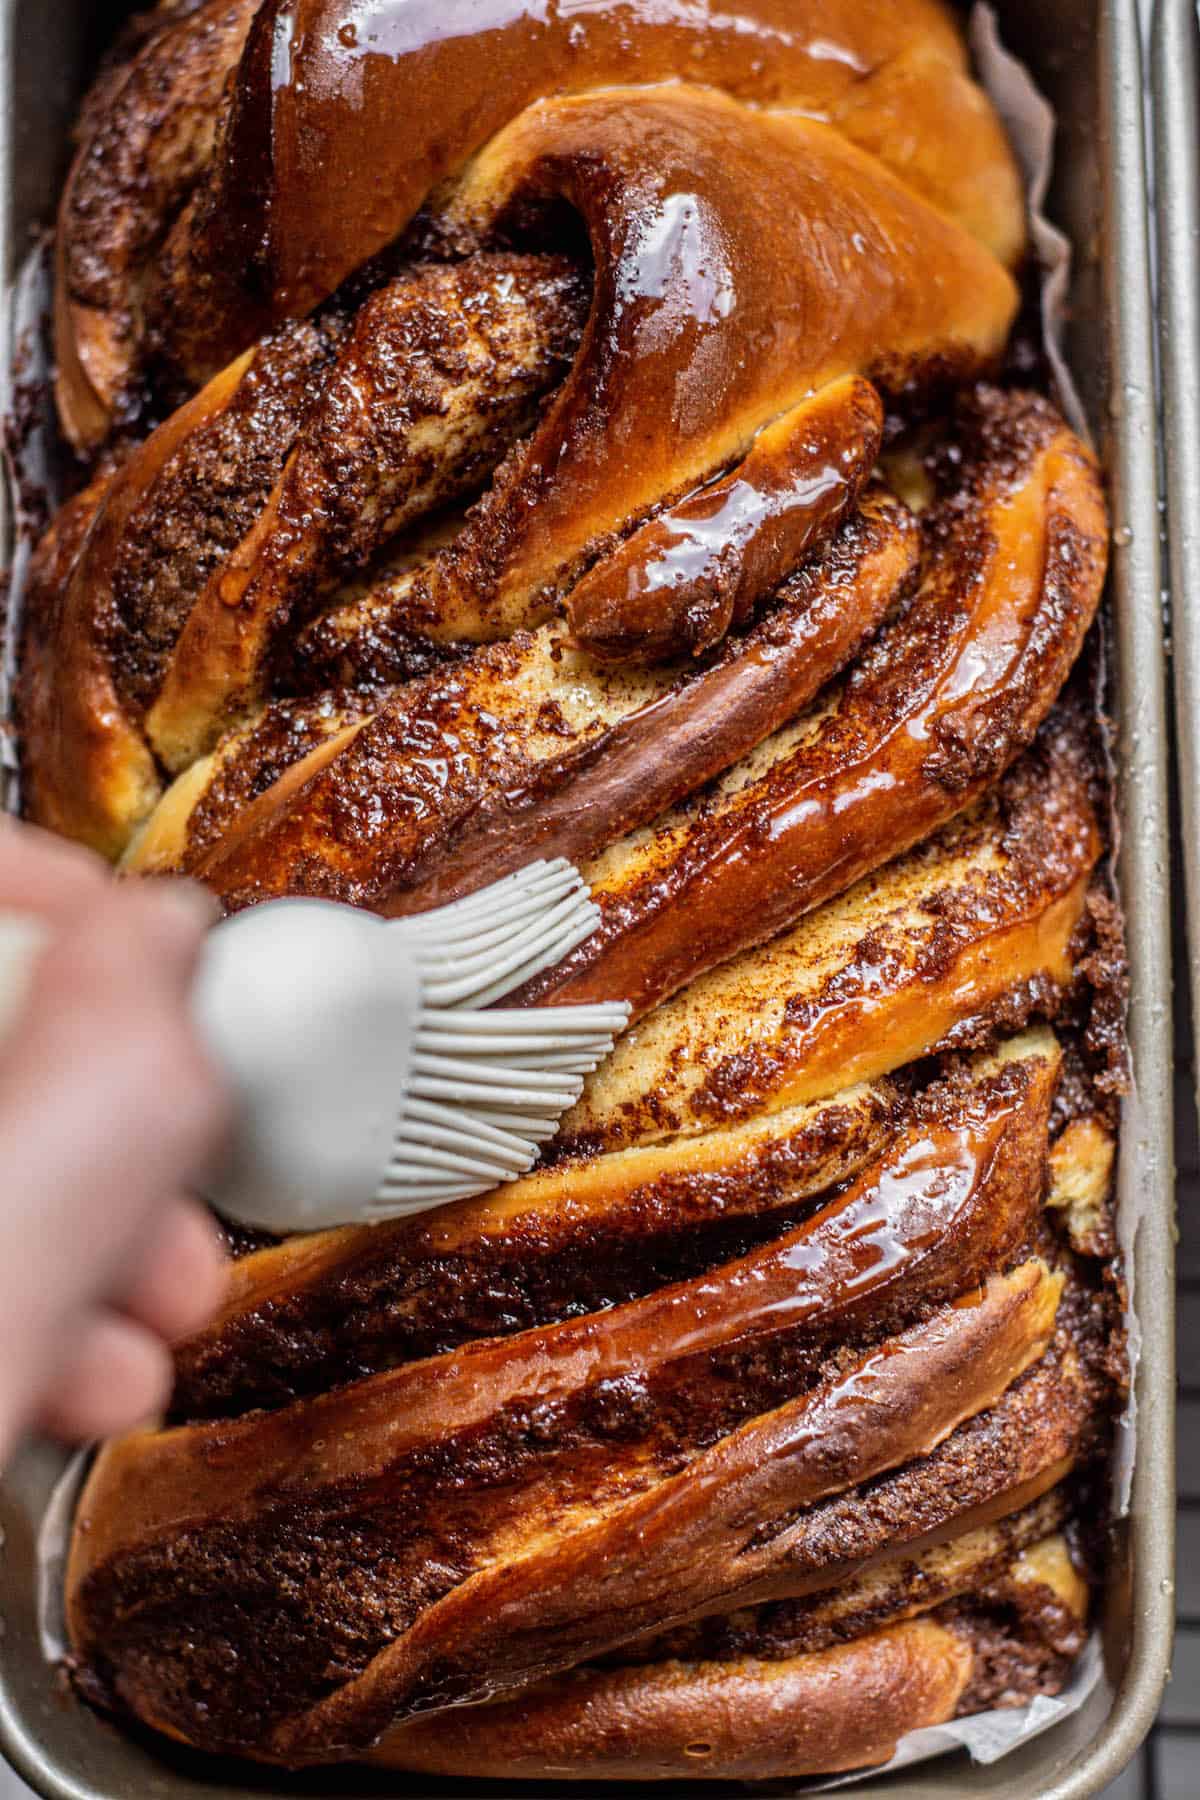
x: 585, y: 429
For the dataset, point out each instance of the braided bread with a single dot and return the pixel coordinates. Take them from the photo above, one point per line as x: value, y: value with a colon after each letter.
x: 584, y: 432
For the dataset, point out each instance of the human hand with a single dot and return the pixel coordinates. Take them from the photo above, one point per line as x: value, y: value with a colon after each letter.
x: 107, y: 1106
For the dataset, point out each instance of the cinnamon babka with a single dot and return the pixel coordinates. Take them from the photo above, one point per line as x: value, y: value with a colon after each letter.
x: 590, y: 430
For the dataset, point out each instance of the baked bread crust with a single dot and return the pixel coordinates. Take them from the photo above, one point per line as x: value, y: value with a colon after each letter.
x: 622, y: 467
x: 201, y: 121
x: 557, y: 1550
x: 818, y: 1712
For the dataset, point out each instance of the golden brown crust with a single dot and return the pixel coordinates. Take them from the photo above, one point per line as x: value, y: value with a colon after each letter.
x: 267, y: 235
x: 628, y: 1225
x: 552, y: 754
x: 145, y: 143
x: 843, y: 1706
x: 943, y: 1567
x: 988, y: 907
x: 923, y: 726
x: 678, y: 390
x: 760, y: 51
x: 440, y: 375
x: 197, y: 504
x: 931, y: 716
x: 219, y: 493
x: 972, y: 1164
x: 860, y: 987
x: 557, y: 1598
x: 732, y: 1442
x: 676, y: 586
x: 718, y: 306
x: 585, y: 1236
x: 692, y: 1535
x: 91, y: 774
x: 836, y: 1709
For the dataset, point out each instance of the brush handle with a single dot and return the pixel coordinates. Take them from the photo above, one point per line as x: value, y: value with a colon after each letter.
x: 313, y: 1010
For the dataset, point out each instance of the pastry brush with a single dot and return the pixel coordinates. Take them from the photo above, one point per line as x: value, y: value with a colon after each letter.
x: 371, y: 1073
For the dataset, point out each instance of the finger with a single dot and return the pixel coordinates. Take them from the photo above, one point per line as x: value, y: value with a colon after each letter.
x: 117, y: 1376
x: 111, y: 1000
x: 152, y: 932
x: 180, y: 1276
x: 47, y: 876
x: 108, y: 1103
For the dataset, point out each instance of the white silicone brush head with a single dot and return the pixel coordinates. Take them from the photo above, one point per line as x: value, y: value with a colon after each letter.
x: 313, y: 1015
x: 373, y: 1077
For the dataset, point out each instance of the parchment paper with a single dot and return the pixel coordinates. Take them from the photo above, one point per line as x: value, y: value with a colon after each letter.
x: 29, y: 468
x: 1030, y: 122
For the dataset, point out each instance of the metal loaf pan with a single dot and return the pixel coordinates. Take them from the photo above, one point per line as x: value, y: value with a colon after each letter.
x: 1175, y: 71
x: 1086, y: 56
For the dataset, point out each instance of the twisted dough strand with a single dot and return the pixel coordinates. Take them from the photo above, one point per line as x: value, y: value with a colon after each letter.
x: 199, y: 210
x: 522, y: 496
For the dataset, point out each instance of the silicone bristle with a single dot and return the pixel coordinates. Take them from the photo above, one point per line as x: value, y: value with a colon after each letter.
x: 481, y: 948
x: 487, y: 1088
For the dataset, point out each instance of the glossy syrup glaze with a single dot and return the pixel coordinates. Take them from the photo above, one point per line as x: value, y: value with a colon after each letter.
x: 955, y: 1193
x: 524, y: 367
x: 676, y: 586
x: 303, y: 1314
x: 873, y: 979
x: 527, y: 747
x: 440, y: 375
x: 916, y: 1389
x: 741, y: 261
x: 405, y: 96
x: 719, y: 303
x: 955, y: 688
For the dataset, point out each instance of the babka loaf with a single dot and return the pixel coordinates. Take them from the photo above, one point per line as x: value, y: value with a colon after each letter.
x: 590, y: 431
